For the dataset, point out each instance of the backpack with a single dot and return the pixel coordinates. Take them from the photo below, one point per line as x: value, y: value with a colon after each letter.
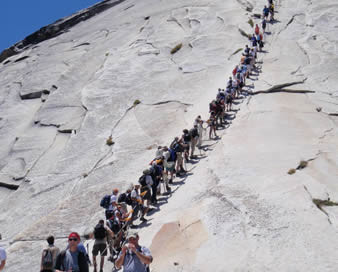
x: 173, y: 155
x: 142, y: 181
x: 47, y: 260
x: 100, y: 232
x: 125, y: 198
x: 194, y: 132
x: 178, y: 148
x: 105, y: 202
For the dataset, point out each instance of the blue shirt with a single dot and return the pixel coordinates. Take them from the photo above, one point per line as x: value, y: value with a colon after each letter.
x: 132, y: 263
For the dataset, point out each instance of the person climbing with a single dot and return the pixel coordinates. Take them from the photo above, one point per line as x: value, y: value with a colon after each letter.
x: 100, y: 233
x: 234, y: 71
x: 170, y: 157
x: 272, y: 12
x: 156, y: 175
x: 112, y: 203
x: 49, y: 255
x: 257, y: 29
x: 186, y: 140
x: 133, y: 257
x: 137, y: 204
x: 263, y: 25
x: 146, y: 183
x: 72, y: 259
x: 194, y: 139
x: 212, y: 124
x: 199, y: 122
x: 253, y: 41
x: 266, y: 12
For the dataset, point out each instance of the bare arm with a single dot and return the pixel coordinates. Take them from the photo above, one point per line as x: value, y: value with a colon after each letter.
x: 143, y: 258
x: 119, y: 262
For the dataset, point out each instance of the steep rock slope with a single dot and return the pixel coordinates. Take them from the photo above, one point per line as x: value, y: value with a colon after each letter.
x: 239, y: 210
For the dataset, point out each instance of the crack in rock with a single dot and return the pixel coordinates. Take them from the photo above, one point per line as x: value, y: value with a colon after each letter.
x: 304, y: 52
x: 168, y: 101
x: 318, y: 206
x: 290, y: 22
x: 280, y: 88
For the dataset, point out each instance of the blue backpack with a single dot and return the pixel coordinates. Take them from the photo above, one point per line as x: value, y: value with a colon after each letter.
x: 105, y: 202
x: 173, y: 155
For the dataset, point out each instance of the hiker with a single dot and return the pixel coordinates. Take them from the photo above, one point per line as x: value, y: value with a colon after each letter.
x: 186, y: 140
x: 246, y: 50
x: 266, y: 12
x: 112, y: 202
x: 212, y: 124
x: 178, y: 148
x: 194, y: 139
x: 159, y: 152
x: 253, y: 41
x: 229, y: 83
x: 272, y: 12
x: 72, y: 259
x: 257, y: 29
x: 234, y: 71
x: 100, y: 245
x: 3, y: 257
x: 49, y: 255
x: 199, y: 122
x: 146, y: 183
x: 137, y: 204
x: 133, y: 257
x: 264, y: 25
x: 169, y: 164
x: 156, y: 175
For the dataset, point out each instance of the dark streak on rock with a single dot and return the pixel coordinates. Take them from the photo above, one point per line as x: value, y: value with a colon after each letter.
x: 9, y: 186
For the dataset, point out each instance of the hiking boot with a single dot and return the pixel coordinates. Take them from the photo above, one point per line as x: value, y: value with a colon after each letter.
x: 168, y: 188
x: 101, y: 270
x: 143, y: 219
x: 170, y: 181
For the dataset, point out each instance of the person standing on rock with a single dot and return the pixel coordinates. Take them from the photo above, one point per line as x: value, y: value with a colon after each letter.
x: 49, y: 255
x: 199, y: 123
x: 133, y: 257
x: 257, y: 29
x: 100, y: 245
x: 266, y: 12
x: 72, y: 259
x: 263, y: 25
x: 3, y: 257
x: 194, y: 139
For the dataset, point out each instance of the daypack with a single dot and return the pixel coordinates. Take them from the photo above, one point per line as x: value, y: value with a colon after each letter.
x: 264, y: 24
x: 125, y: 198
x: 177, y: 147
x: 194, y: 132
x: 47, y: 260
x: 105, y: 202
x: 142, y: 181
x: 172, y: 156
x: 100, y: 232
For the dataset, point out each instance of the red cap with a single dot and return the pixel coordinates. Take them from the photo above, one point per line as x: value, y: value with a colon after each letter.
x: 74, y: 234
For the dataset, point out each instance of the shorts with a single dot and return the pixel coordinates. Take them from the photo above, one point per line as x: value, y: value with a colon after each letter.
x: 170, y: 166
x: 102, y: 248
x: 147, y: 196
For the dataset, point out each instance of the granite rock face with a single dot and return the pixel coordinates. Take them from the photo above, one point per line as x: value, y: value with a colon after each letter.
x: 67, y: 88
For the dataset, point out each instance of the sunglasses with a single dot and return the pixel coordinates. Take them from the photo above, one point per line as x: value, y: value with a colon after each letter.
x: 72, y: 239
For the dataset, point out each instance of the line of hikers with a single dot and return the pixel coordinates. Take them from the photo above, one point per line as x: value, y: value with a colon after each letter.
x: 122, y: 210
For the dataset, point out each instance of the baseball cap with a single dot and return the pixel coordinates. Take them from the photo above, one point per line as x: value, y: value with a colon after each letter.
x: 132, y: 234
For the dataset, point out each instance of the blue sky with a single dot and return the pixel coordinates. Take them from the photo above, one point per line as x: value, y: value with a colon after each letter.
x: 19, y: 18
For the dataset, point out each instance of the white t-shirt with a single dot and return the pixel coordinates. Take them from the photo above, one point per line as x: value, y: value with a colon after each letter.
x: 3, y: 255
